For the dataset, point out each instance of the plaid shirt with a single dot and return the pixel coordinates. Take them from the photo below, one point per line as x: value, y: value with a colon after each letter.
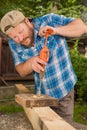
x: 59, y: 77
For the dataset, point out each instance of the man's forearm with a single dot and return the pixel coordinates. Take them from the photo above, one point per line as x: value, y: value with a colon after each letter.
x: 32, y: 64
x: 74, y: 29
x: 24, y: 68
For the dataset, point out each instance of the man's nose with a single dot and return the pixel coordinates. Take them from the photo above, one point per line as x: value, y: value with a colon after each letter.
x: 20, y: 37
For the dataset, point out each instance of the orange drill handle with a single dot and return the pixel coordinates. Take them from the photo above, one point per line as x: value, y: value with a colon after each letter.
x: 44, y: 53
x: 49, y: 32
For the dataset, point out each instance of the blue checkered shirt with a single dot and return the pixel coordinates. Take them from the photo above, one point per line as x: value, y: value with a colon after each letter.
x: 59, y: 77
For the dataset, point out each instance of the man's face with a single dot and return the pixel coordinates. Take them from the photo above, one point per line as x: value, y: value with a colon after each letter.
x: 23, y: 34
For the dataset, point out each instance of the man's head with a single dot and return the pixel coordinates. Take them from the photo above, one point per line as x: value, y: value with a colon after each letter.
x: 18, y: 27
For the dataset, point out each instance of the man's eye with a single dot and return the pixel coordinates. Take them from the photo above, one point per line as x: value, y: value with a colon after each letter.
x: 21, y: 31
x: 14, y: 37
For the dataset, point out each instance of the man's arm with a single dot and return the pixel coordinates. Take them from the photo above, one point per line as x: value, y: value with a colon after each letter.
x: 32, y: 64
x: 74, y: 29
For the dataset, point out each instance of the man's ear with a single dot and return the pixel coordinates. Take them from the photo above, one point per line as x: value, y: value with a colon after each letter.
x: 27, y: 20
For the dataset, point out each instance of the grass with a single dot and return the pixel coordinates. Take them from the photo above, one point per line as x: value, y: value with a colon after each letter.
x: 10, y: 107
x: 80, y: 113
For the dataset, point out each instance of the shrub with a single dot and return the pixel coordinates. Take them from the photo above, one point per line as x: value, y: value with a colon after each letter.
x: 80, y: 66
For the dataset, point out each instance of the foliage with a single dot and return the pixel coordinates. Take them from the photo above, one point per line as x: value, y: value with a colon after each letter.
x: 73, y: 11
x: 80, y: 67
x: 34, y: 8
x: 72, y: 8
x: 80, y: 113
x: 68, y: 3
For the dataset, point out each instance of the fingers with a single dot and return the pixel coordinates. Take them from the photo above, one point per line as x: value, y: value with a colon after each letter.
x: 37, y: 64
x: 43, y: 30
x: 37, y: 68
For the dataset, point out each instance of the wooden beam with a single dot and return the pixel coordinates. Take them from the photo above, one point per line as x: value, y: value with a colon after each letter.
x: 44, y: 118
x: 5, y: 83
x: 14, y: 76
x: 33, y: 100
x: 21, y: 88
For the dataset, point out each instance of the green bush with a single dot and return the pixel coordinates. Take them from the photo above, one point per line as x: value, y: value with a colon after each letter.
x: 80, y: 66
x: 36, y: 8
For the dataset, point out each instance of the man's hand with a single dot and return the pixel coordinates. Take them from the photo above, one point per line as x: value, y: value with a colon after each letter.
x: 43, y: 30
x: 32, y: 64
x: 36, y: 64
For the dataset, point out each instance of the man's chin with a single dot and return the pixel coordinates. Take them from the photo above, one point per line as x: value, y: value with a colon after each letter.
x: 28, y: 44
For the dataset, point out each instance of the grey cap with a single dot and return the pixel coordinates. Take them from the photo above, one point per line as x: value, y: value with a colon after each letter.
x: 11, y: 20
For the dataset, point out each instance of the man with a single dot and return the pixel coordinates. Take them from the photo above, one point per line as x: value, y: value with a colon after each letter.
x: 27, y: 39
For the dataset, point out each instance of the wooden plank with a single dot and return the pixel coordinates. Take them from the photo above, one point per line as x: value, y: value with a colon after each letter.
x: 13, y: 76
x: 21, y: 88
x: 5, y: 83
x: 44, y: 118
x: 33, y: 100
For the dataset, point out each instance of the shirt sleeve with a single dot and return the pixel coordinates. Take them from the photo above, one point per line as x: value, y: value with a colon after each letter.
x: 55, y: 20
x: 65, y: 20
x: 16, y: 57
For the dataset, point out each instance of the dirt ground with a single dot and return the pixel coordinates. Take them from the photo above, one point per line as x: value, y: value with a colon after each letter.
x: 16, y: 121
x: 19, y: 121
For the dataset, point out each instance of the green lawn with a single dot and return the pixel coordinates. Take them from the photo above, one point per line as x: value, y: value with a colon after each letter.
x: 80, y: 113
x: 10, y: 107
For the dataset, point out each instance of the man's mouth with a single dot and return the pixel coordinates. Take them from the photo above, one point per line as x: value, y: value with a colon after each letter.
x: 24, y: 40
